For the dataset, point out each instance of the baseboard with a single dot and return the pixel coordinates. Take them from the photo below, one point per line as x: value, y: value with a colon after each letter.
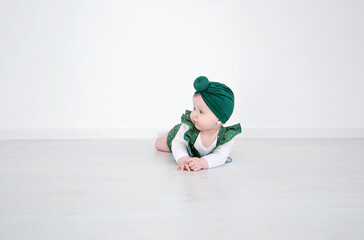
x: 27, y: 134
x: 303, y: 133
x: 78, y: 133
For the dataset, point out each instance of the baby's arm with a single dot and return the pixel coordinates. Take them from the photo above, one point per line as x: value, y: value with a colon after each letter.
x: 215, y: 159
x: 220, y: 155
x: 179, y: 149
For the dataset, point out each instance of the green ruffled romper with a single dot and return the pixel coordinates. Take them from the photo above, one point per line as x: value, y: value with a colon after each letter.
x: 225, y: 135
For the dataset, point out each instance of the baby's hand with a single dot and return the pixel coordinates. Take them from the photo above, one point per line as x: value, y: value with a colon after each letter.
x: 195, y: 164
x: 183, y: 163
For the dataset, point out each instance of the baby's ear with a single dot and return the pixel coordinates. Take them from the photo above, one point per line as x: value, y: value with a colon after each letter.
x: 219, y: 122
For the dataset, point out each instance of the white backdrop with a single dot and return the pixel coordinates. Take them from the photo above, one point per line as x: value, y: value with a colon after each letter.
x: 114, y: 69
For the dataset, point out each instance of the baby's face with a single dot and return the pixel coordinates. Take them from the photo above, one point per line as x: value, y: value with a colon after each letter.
x: 202, y: 117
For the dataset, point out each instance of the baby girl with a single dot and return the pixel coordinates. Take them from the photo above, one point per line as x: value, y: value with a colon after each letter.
x: 201, y: 141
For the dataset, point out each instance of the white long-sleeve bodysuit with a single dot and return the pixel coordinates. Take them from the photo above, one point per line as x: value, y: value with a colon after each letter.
x: 217, y: 158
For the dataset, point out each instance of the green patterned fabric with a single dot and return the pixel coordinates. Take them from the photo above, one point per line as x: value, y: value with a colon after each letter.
x: 224, y: 136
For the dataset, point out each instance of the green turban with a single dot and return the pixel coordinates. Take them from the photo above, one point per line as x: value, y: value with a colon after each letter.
x: 217, y: 96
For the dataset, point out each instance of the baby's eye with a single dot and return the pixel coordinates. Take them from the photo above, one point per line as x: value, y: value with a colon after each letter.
x: 201, y: 112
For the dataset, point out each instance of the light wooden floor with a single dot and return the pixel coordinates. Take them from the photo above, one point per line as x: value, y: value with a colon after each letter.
x: 116, y: 189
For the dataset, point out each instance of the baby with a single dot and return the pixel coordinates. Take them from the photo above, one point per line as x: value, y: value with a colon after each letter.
x: 201, y: 141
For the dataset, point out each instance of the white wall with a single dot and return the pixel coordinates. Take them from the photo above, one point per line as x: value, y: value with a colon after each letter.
x: 71, y: 69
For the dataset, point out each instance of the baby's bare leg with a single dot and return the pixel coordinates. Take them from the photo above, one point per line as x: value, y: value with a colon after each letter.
x: 161, y: 143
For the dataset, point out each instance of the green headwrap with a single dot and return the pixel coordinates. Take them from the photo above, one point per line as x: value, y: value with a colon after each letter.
x: 217, y: 96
